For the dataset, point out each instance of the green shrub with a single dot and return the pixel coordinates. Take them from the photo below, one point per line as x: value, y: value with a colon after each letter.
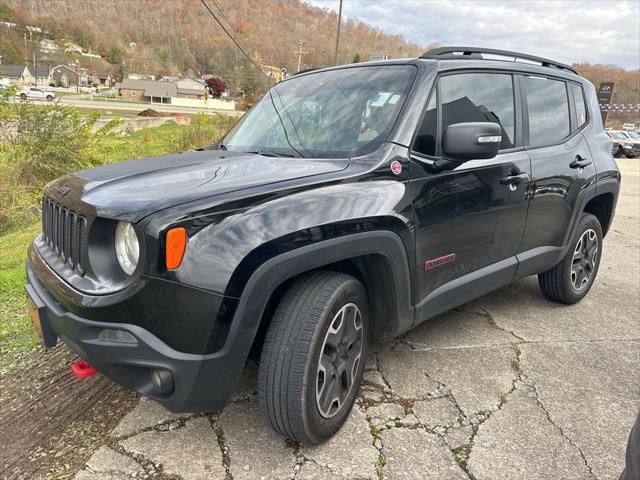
x: 204, y: 130
x: 39, y: 144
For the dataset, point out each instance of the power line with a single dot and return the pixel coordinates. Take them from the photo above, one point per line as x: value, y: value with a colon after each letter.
x: 225, y: 16
x: 231, y: 37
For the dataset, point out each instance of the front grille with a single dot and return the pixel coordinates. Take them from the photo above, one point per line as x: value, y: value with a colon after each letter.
x: 64, y: 231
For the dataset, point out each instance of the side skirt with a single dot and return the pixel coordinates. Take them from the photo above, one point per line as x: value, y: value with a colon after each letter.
x: 485, y: 280
x: 466, y: 288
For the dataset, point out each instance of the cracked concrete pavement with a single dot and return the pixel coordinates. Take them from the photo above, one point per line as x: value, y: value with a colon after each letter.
x: 509, y: 386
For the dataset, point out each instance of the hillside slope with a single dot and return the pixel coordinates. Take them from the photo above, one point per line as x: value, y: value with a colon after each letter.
x: 172, y: 36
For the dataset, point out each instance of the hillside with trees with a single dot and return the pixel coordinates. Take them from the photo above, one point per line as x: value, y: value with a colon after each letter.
x: 179, y: 37
x: 167, y: 37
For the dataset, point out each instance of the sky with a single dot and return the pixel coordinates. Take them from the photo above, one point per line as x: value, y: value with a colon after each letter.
x: 592, y: 31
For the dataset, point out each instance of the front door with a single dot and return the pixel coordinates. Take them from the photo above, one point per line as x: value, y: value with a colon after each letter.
x: 468, y: 221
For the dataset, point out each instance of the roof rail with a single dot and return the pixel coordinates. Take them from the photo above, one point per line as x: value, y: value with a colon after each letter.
x: 468, y: 53
x: 305, y: 71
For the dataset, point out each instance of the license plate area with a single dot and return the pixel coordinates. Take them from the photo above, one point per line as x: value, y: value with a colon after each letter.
x: 35, y: 316
x: 38, y: 313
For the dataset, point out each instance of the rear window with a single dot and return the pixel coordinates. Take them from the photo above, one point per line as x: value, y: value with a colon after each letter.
x: 578, y: 100
x: 548, y: 107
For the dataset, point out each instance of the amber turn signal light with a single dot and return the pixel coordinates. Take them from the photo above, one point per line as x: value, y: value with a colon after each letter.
x: 175, y: 245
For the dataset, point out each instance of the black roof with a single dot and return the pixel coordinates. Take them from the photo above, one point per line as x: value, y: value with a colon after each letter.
x: 12, y: 71
x: 41, y: 71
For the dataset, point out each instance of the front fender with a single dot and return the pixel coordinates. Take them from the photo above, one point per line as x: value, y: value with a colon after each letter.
x: 223, y: 252
x: 273, y: 272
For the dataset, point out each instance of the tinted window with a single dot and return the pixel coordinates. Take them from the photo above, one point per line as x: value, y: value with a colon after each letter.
x: 426, y: 138
x: 581, y: 110
x: 479, y: 97
x: 548, y: 110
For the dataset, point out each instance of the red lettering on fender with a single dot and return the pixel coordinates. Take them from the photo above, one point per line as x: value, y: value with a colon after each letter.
x: 437, y: 262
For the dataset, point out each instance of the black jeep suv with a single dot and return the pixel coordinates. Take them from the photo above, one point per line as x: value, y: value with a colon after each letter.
x: 350, y: 203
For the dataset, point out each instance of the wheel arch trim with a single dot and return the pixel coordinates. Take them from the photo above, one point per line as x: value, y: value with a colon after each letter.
x: 272, y: 273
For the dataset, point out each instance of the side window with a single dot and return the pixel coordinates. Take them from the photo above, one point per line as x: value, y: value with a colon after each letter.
x: 425, y: 142
x: 548, y: 108
x: 479, y: 97
x: 578, y: 99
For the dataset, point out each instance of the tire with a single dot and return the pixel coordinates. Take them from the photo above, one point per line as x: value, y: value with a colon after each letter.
x: 23, y: 96
x: 49, y: 98
x: 566, y: 284
x: 294, y: 393
x: 619, y: 152
x: 631, y: 156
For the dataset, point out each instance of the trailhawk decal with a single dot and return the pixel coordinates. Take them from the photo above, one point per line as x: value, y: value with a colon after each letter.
x: 438, y: 262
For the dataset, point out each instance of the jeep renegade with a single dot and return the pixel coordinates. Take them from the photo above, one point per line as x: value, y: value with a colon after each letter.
x: 349, y: 203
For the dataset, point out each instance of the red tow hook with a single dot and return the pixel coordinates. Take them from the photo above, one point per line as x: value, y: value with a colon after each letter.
x: 82, y: 369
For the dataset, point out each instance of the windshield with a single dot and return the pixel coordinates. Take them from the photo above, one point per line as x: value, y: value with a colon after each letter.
x: 618, y: 135
x: 633, y: 135
x: 337, y: 113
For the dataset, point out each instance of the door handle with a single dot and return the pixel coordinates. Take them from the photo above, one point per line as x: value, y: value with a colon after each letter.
x: 580, y: 162
x: 515, y: 179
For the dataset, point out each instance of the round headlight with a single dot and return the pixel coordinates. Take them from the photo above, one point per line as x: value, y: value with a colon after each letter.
x: 127, y: 247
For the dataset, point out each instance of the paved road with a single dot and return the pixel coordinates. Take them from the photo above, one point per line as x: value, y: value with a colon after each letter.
x: 138, y: 107
x: 510, y: 386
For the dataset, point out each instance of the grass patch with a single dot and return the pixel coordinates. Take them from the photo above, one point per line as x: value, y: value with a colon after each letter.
x: 17, y: 335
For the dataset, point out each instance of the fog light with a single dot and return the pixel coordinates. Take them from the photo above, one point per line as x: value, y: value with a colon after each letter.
x: 162, y: 381
x: 117, y: 336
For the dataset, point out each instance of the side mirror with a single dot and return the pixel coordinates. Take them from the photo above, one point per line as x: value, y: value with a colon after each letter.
x: 471, y: 141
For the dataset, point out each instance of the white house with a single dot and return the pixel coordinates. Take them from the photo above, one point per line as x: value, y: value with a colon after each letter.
x: 47, y: 45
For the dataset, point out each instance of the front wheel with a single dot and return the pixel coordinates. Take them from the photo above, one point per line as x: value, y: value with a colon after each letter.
x: 23, y: 96
x: 570, y: 280
x: 313, y: 356
x: 49, y: 98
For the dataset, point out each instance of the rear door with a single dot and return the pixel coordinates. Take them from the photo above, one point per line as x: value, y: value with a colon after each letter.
x: 471, y: 217
x: 561, y: 164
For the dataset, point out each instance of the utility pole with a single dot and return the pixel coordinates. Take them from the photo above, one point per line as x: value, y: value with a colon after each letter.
x: 300, y: 53
x: 335, y: 58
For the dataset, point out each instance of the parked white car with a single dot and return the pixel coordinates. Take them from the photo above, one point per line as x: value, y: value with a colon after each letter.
x: 35, y: 93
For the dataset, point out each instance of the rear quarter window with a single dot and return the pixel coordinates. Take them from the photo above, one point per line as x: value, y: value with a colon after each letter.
x: 548, y: 107
x: 578, y: 100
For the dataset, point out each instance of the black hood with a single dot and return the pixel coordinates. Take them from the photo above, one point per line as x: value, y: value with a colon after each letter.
x: 134, y: 189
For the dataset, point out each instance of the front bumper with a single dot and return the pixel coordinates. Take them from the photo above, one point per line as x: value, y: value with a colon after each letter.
x: 631, y: 149
x: 199, y: 382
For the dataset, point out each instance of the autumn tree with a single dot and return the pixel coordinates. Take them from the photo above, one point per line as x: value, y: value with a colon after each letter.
x: 6, y: 13
x: 216, y: 86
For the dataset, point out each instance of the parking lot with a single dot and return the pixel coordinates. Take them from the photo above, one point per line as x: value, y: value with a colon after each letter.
x: 509, y: 386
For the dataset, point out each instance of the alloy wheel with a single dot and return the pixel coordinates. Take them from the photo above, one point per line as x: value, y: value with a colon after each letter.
x: 339, y: 360
x: 584, y: 259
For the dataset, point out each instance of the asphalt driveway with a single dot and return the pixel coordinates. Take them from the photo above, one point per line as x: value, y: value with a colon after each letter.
x: 509, y: 386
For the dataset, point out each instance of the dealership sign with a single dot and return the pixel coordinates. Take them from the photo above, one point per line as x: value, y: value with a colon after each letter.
x: 605, y: 93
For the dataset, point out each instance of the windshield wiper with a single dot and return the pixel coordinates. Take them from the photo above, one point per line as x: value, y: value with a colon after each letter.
x: 266, y: 153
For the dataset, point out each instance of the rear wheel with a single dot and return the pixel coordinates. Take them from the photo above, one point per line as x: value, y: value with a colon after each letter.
x: 23, y: 96
x: 570, y: 280
x: 49, y: 98
x: 313, y: 356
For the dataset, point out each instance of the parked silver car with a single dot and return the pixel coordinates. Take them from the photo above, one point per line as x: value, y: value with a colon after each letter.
x: 627, y: 146
x: 35, y: 93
